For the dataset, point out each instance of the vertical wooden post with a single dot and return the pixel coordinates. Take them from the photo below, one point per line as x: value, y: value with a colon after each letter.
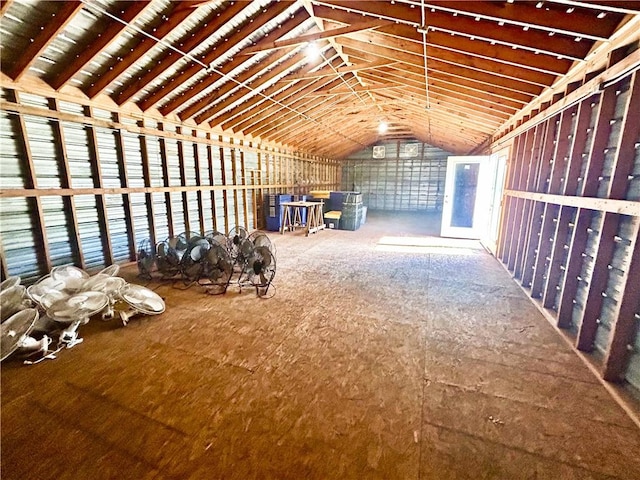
x: 146, y: 173
x: 183, y: 182
x: 31, y: 182
x: 196, y: 159
x: 96, y: 173
x: 626, y: 315
x: 574, y: 265
x: 65, y: 177
x: 254, y: 201
x: 597, y: 285
x: 626, y: 146
x: 243, y: 179
x: 225, y: 201
x: 126, y: 198
x: 165, y: 178
x: 234, y: 176
x: 212, y: 181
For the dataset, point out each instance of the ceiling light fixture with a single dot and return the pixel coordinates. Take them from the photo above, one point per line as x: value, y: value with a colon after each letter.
x: 382, y: 127
x: 312, y: 52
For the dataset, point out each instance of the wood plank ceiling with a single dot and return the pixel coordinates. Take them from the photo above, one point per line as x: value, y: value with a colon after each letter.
x: 449, y: 73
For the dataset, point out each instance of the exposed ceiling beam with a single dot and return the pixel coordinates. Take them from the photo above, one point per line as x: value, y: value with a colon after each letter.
x: 120, y: 65
x: 331, y: 71
x: 47, y: 34
x: 100, y: 42
x: 187, y: 44
x: 238, y: 61
x: 312, y: 37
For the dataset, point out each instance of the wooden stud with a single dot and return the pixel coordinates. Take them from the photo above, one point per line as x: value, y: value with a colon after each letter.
x: 96, y: 173
x: 598, y: 282
x: 561, y: 153
x: 42, y: 244
x: 212, y: 181
x: 146, y: 173
x: 165, y: 179
x: 560, y: 235
x: 578, y: 144
x: 602, y: 129
x: 234, y: 176
x: 243, y: 181
x: 519, y: 181
x: 507, y: 212
x: 196, y: 159
x: 124, y: 182
x: 529, y: 223
x: 183, y: 182
x: 225, y: 201
x: 626, y: 145
x: 573, y: 267
x: 543, y: 244
x: 626, y: 315
x: 68, y: 201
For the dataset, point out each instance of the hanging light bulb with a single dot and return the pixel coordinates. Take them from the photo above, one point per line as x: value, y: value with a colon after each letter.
x: 382, y: 127
x: 312, y: 52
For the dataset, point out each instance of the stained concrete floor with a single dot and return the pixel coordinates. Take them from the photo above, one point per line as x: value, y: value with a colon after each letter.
x: 383, y: 355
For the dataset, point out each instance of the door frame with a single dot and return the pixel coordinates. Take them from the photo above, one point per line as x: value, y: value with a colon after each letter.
x: 482, y: 198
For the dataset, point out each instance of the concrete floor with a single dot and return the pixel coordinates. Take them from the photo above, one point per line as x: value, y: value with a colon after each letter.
x: 383, y: 355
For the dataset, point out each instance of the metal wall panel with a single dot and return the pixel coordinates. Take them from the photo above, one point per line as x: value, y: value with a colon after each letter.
x: 58, y: 236
x: 89, y: 231
x: 18, y: 239
x: 160, y: 218
x: 43, y: 151
x: 78, y: 155
x: 133, y: 159
x: 155, y: 161
x: 12, y: 170
x: 117, y: 227
x: 398, y: 181
x: 74, y: 223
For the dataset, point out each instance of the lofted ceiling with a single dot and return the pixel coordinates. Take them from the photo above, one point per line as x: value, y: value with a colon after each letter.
x: 449, y: 73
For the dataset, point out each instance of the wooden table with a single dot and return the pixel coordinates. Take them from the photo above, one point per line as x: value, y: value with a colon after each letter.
x: 292, y: 217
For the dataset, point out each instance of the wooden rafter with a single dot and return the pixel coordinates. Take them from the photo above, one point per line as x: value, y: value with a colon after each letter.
x: 187, y: 44
x: 102, y: 41
x: 250, y: 26
x: 509, y: 35
x: 238, y: 61
x: 248, y: 121
x: 176, y: 17
x: 47, y: 34
x: 312, y: 37
x: 272, y: 94
x: 242, y: 92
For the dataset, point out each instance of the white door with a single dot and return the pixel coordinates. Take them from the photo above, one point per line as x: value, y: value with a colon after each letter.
x: 467, y: 197
x: 498, y: 170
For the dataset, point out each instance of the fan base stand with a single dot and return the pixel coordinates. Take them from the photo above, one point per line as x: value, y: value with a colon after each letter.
x: 69, y: 337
